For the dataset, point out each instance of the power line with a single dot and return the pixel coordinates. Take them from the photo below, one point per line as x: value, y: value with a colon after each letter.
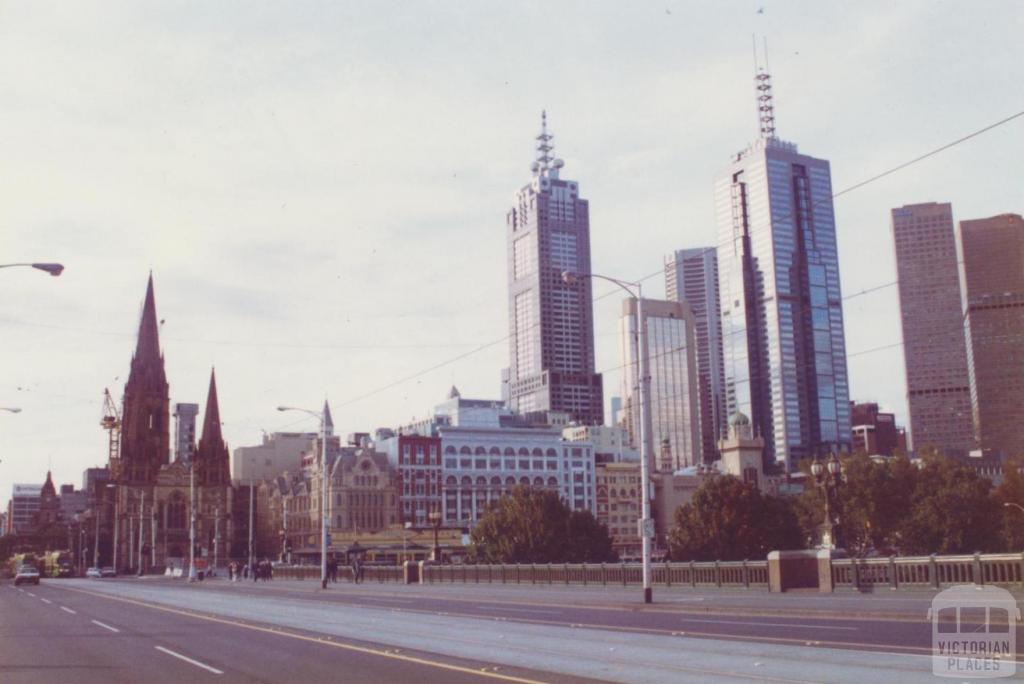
x: 835, y: 195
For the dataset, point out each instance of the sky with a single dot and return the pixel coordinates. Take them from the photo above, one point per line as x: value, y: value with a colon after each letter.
x: 320, y: 188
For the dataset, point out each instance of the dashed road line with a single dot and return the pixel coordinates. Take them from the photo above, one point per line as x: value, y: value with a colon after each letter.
x: 68, y: 610
x: 46, y: 600
x: 188, y: 660
x: 112, y: 629
x: 31, y: 594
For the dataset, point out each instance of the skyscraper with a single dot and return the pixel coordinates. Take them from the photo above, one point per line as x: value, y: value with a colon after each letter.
x: 551, y: 322
x: 672, y: 430
x: 934, y: 346
x: 782, y: 316
x: 993, y: 277
x: 691, y: 276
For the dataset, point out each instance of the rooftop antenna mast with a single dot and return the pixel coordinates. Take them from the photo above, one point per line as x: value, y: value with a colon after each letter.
x: 765, y: 102
x: 544, y: 147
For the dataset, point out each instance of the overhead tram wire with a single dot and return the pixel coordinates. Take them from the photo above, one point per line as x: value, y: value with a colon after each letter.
x: 844, y: 191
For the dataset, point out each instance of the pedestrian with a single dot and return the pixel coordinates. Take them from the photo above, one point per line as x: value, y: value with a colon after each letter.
x: 255, y: 571
x: 245, y: 571
x: 357, y: 570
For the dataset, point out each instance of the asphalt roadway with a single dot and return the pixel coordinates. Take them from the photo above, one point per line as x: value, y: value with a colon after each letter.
x: 155, y: 630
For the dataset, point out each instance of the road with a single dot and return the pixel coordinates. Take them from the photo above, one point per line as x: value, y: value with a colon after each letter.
x: 294, y: 632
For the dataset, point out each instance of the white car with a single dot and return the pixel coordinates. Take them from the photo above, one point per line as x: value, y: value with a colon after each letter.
x: 27, y: 574
x: 93, y: 573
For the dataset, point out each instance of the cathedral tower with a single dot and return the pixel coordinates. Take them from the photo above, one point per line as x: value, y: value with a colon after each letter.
x: 145, y: 436
x: 211, y: 456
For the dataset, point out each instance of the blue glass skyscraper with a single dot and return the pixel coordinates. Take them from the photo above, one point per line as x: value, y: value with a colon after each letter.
x: 782, y: 316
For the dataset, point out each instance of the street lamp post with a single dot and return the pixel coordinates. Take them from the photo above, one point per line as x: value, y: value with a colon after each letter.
x: 10, y: 409
x: 192, y: 575
x: 52, y: 269
x: 646, y: 524
x: 828, y: 476
x: 435, y: 522
x: 322, y: 417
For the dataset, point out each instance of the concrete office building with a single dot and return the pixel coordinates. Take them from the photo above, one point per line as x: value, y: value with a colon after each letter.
x: 279, y: 452
x: 993, y: 278
x: 934, y: 344
x: 782, y: 317
x: 691, y: 276
x: 551, y: 322
x: 23, y: 508
x: 673, y: 398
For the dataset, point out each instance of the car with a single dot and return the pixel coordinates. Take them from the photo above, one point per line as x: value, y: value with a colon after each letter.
x: 27, y: 574
x: 108, y: 572
x: 93, y: 573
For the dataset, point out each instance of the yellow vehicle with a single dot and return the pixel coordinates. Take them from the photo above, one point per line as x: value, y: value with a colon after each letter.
x: 57, y: 564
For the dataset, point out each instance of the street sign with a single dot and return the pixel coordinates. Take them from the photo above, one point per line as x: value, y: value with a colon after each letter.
x: 645, y: 528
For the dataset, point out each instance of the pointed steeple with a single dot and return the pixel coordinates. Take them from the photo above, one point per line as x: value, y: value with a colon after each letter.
x: 211, y: 455
x: 328, y: 421
x: 148, y: 346
x: 48, y: 488
x: 211, y: 419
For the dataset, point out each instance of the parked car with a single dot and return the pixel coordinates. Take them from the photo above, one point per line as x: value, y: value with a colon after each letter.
x: 93, y: 573
x: 27, y: 574
x: 108, y: 572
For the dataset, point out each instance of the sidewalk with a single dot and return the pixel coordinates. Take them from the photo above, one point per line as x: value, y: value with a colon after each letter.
x: 892, y: 605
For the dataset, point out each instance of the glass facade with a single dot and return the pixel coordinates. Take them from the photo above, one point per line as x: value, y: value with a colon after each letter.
x: 784, y: 348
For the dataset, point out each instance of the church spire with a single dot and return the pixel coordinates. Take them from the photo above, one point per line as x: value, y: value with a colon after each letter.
x: 211, y: 455
x: 211, y: 420
x: 148, y: 346
x: 328, y: 421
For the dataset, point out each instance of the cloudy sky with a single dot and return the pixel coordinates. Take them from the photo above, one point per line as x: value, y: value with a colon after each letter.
x: 320, y: 188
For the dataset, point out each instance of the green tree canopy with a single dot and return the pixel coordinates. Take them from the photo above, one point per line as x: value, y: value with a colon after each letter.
x: 728, y: 519
x: 535, y: 526
x: 1011, y: 491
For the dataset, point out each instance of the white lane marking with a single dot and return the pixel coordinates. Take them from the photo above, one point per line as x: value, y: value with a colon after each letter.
x: 770, y: 624
x: 521, y: 610
x: 22, y: 591
x: 46, y: 600
x: 68, y: 610
x: 31, y: 594
x: 189, y: 660
x: 112, y: 629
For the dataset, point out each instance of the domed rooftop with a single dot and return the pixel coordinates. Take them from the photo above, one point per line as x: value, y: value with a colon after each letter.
x: 738, y: 419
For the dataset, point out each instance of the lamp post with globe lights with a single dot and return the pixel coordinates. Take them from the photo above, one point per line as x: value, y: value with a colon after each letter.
x: 828, y: 476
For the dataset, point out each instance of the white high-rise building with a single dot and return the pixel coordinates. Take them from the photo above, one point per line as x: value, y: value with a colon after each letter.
x: 782, y: 315
x: 691, y: 276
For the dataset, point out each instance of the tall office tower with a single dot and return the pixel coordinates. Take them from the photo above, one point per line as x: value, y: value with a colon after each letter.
x: 691, y: 276
x: 934, y: 346
x: 672, y: 428
x: 551, y: 321
x: 185, y: 431
x: 993, y: 277
x: 782, y: 315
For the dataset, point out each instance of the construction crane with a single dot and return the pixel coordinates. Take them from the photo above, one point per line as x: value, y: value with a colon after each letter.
x: 111, y: 422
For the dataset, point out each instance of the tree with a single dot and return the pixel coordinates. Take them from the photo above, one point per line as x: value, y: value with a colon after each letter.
x: 535, y: 526
x: 731, y: 520
x: 1011, y: 491
x: 951, y: 511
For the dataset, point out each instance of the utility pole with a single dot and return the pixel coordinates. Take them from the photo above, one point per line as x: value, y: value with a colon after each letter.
x: 152, y: 532
x: 252, y: 505
x: 192, y: 522
x: 142, y: 525
x: 116, y: 538
x: 216, y: 537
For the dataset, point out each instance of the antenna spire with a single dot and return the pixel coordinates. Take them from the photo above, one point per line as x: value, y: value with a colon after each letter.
x: 765, y: 99
x: 544, y: 146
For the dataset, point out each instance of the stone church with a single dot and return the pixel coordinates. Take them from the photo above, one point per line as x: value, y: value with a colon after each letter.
x: 153, y: 494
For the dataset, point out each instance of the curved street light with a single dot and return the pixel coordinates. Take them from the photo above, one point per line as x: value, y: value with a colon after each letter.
x: 10, y: 409
x: 52, y: 269
x: 1010, y: 504
x: 320, y: 416
x: 640, y: 354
